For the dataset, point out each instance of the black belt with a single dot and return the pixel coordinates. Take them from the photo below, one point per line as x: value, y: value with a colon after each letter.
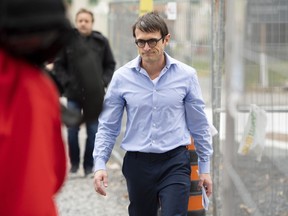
x: 157, y: 156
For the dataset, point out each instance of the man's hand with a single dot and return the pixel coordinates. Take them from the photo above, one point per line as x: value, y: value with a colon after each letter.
x: 206, y: 182
x: 101, y: 181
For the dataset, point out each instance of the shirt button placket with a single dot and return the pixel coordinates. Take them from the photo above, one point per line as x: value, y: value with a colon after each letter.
x: 154, y: 117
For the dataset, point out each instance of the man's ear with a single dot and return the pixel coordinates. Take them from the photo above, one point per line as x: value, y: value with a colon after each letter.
x: 167, y: 38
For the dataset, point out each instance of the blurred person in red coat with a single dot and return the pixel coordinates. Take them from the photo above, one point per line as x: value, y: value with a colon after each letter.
x: 32, y: 154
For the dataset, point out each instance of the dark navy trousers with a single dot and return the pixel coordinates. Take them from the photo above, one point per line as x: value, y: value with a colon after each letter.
x: 73, y: 140
x: 158, y: 181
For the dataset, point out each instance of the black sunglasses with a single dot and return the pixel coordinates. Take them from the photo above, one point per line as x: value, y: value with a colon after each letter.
x: 151, y: 42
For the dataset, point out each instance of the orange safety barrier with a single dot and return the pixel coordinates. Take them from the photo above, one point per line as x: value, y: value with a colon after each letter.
x: 195, y: 207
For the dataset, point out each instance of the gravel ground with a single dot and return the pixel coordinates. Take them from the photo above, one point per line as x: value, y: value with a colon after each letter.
x: 78, y: 198
x: 267, y: 185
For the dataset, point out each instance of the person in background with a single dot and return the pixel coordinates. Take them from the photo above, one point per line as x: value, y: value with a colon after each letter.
x: 32, y: 152
x: 164, y: 106
x: 95, y: 64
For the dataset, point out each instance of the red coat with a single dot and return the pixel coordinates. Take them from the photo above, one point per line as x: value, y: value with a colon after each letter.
x: 32, y: 153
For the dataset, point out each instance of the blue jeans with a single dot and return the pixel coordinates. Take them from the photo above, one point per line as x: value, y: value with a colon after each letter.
x: 73, y: 140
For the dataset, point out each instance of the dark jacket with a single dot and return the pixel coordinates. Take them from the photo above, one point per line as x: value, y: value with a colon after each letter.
x: 66, y: 69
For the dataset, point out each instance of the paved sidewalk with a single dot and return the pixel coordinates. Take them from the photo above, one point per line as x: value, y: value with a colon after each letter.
x: 78, y: 198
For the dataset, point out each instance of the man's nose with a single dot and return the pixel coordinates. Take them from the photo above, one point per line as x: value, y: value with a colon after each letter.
x: 146, y: 46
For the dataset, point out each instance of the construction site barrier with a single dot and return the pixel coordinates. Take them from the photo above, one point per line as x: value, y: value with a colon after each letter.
x: 195, y: 207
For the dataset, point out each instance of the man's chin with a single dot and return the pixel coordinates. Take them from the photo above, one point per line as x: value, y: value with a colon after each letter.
x: 84, y: 33
x: 148, y: 58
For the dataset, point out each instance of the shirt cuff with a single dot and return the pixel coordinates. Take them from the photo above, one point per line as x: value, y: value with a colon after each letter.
x: 204, y: 167
x: 99, y: 165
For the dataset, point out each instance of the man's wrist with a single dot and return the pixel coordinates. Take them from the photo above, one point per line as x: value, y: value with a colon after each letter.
x: 99, y: 165
x: 204, y: 167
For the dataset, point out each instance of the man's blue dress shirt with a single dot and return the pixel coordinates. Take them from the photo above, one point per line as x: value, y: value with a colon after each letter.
x: 160, y: 116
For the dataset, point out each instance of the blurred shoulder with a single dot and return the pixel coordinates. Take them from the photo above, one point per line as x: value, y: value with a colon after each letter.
x: 98, y: 35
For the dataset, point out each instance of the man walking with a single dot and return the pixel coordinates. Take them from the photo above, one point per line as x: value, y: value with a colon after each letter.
x: 67, y: 69
x: 164, y: 106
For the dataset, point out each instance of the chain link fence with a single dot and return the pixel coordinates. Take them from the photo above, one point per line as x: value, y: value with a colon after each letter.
x: 256, y: 150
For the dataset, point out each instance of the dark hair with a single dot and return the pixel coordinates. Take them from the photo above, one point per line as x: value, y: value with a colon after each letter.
x: 83, y: 10
x: 150, y: 22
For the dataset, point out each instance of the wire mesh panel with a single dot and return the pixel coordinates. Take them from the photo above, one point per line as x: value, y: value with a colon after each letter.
x: 121, y: 18
x: 258, y: 167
